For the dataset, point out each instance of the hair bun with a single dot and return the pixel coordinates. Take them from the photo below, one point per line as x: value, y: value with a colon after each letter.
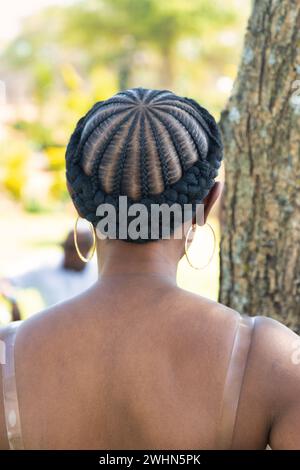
x: 149, y: 145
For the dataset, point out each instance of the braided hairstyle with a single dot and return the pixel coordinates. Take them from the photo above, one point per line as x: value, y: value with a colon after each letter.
x: 149, y: 145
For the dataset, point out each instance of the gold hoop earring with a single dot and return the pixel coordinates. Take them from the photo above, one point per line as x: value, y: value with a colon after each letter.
x: 193, y: 228
x: 92, y: 251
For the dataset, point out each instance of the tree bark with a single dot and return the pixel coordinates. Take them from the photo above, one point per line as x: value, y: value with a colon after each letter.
x: 260, y: 244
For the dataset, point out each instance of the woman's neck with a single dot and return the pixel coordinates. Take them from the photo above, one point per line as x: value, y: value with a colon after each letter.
x: 118, y: 258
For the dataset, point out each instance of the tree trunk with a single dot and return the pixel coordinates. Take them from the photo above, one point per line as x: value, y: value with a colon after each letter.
x: 260, y: 245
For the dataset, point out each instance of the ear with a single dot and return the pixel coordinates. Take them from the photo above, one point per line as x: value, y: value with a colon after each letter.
x: 211, y: 198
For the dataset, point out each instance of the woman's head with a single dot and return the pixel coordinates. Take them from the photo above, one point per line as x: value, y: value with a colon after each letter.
x: 152, y: 146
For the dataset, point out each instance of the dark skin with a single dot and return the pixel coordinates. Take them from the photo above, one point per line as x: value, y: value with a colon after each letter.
x: 137, y: 363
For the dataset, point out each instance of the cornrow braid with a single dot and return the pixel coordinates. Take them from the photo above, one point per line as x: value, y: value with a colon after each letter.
x: 163, y: 162
x: 150, y: 145
x: 121, y: 162
x: 144, y: 159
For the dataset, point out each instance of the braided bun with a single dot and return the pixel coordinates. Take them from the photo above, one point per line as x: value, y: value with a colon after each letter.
x: 149, y: 145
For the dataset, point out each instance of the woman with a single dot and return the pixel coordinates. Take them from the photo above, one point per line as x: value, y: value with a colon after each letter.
x: 135, y: 362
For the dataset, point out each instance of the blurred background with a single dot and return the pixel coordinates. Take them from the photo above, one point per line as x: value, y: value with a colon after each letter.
x: 60, y: 56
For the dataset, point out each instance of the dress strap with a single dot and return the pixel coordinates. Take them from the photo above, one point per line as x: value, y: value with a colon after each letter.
x: 234, y: 380
x: 10, y: 397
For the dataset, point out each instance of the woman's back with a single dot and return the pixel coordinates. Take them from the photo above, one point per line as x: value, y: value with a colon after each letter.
x: 118, y: 374
x: 135, y: 362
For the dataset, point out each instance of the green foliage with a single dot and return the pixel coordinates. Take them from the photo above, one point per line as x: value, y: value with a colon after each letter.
x: 44, y: 79
x: 34, y: 206
x: 124, y: 27
x: 112, y: 32
x: 55, y: 157
x: 70, y: 56
x: 36, y: 132
x: 14, y: 157
x: 58, y: 190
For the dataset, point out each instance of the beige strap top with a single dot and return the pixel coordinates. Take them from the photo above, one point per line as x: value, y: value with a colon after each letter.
x: 232, y: 389
x: 234, y: 380
x: 10, y: 397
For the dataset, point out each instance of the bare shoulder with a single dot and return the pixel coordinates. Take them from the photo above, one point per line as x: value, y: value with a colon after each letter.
x: 202, y: 324
x: 275, y: 334
x: 276, y: 349
x: 279, y: 347
x: 206, y: 309
x: 45, y: 330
